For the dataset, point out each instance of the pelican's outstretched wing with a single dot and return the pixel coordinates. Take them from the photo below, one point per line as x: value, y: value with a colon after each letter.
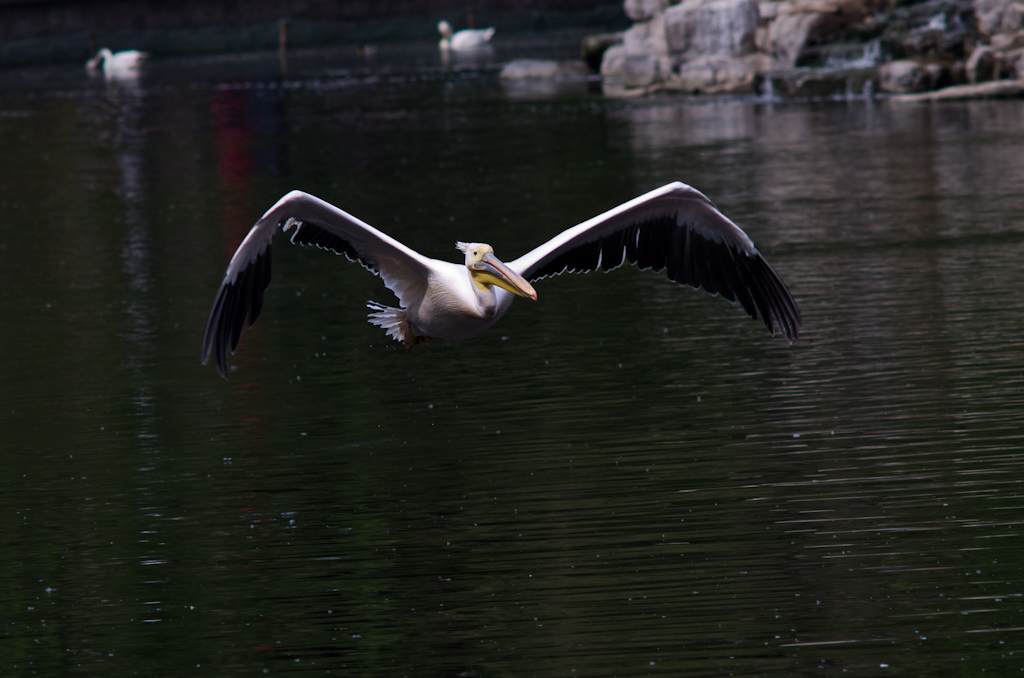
x: 675, y: 227
x: 313, y: 222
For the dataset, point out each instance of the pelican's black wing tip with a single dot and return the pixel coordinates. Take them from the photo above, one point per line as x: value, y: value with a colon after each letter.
x: 214, y: 336
x: 237, y: 305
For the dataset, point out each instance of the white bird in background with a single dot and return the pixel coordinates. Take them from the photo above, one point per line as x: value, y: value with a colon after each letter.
x: 468, y: 38
x: 117, y: 65
x: 674, y: 228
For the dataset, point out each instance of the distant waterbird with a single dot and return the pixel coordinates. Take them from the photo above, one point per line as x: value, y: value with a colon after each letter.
x: 466, y: 39
x: 116, y: 65
x: 675, y: 228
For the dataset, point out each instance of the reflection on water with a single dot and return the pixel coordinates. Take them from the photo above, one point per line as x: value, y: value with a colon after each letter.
x: 623, y: 478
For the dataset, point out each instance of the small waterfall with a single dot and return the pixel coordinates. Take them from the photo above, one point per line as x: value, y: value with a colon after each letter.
x: 867, y: 55
x: 868, y: 90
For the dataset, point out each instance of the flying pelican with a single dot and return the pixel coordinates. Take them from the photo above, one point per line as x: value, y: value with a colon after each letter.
x: 467, y: 38
x: 116, y: 65
x: 675, y: 227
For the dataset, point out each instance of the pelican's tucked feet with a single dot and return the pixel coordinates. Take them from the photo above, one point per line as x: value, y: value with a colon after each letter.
x: 393, y: 320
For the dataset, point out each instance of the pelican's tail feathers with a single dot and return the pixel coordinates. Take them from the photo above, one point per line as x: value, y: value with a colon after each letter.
x: 394, y: 322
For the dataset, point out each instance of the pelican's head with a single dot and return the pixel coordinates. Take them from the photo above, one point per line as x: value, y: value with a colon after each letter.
x: 486, y: 269
x: 445, y: 29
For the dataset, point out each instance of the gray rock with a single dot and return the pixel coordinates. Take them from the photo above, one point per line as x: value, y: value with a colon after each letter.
x: 997, y: 89
x: 644, y: 60
x: 983, y: 65
x: 644, y: 10
x: 641, y: 70
x: 704, y: 28
x: 787, y: 36
x: 903, y: 76
x: 612, y: 62
x: 721, y: 74
x: 1008, y: 41
x: 855, y: 83
x: 712, y: 46
x: 989, y: 15
x: 735, y: 45
x: 1017, y: 62
x: 800, y: 24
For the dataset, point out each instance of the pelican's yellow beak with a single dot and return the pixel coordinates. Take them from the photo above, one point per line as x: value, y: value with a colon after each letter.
x: 490, y: 271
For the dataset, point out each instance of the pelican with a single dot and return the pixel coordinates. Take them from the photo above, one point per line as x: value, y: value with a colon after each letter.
x: 467, y: 38
x: 116, y: 65
x: 674, y: 228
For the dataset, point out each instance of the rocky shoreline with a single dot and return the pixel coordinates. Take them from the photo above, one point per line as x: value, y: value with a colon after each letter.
x: 820, y: 48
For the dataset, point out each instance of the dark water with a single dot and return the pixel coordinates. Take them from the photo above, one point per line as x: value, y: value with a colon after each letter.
x: 625, y: 478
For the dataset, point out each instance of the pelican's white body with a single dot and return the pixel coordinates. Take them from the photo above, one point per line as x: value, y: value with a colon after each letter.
x: 456, y: 308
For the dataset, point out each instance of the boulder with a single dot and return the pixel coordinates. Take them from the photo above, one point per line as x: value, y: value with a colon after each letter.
x: 642, y: 60
x: 718, y: 74
x: 854, y: 83
x: 983, y: 65
x: 641, y: 70
x: 787, y: 37
x: 998, y: 16
x: 997, y: 89
x: 704, y: 28
x: 1017, y: 64
x: 799, y: 24
x: 647, y: 61
x: 989, y: 63
x: 935, y: 30
x: 1008, y: 41
x: 816, y: 47
x: 904, y: 76
x: 612, y: 62
x: 644, y: 10
x: 712, y: 45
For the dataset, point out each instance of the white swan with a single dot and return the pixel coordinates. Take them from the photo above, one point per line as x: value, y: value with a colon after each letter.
x: 116, y: 65
x: 468, y: 38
